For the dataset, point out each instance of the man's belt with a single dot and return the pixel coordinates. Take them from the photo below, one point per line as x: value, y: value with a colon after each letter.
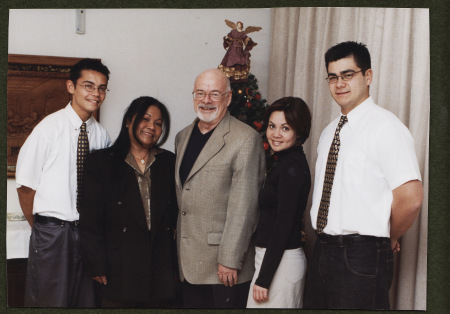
x: 349, y: 239
x: 55, y: 221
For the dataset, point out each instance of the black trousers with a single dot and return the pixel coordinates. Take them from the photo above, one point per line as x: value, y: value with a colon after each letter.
x: 215, y: 296
x: 349, y: 274
x: 55, y: 276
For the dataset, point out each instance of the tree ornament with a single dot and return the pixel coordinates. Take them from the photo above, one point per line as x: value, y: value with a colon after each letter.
x: 258, y: 125
x: 236, y: 62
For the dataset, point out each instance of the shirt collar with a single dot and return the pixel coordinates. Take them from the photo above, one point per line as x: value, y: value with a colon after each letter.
x: 129, y: 159
x: 74, y: 119
x: 354, y: 115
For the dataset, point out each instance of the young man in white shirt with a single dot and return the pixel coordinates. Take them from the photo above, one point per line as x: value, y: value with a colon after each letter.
x: 375, y: 194
x: 46, y: 177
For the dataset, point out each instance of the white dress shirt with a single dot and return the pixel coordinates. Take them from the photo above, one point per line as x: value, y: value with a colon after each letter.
x: 47, y: 162
x: 376, y: 156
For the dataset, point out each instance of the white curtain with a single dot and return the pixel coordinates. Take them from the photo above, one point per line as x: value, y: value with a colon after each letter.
x: 398, y: 40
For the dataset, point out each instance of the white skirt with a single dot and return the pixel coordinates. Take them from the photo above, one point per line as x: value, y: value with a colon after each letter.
x: 286, y: 289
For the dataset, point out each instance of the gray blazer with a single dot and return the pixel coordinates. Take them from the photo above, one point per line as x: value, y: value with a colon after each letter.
x: 218, y: 204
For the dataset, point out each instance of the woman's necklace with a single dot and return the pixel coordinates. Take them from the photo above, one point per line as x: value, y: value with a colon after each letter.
x: 142, y: 160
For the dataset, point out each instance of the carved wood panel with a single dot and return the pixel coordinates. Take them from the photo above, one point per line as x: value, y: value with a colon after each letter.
x: 36, y: 88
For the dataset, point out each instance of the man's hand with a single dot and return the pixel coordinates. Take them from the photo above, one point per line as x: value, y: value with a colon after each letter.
x: 228, y: 276
x: 101, y: 279
x: 395, y: 245
x: 260, y: 294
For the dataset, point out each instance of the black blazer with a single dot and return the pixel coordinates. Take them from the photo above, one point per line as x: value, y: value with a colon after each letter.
x: 140, y: 265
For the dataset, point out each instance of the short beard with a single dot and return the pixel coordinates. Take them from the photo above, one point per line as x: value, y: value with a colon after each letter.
x: 212, y: 115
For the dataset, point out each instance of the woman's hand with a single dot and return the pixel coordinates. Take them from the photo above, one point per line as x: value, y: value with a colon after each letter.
x: 260, y: 294
x: 101, y: 279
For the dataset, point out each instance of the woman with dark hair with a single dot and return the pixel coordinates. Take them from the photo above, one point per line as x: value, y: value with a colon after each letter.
x: 129, y: 212
x: 280, y: 262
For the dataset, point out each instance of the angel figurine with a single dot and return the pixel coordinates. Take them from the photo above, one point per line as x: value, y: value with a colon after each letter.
x: 236, y: 62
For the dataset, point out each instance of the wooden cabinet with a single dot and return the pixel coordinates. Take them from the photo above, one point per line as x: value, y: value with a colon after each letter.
x: 16, y: 273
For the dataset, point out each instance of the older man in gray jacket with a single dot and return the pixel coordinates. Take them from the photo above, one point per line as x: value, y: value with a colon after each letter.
x: 219, y: 171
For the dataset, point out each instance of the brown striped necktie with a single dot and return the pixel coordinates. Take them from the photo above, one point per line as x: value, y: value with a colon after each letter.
x: 322, y: 216
x: 82, y: 150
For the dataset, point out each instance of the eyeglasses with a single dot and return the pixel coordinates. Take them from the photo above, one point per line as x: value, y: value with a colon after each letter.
x: 91, y: 88
x: 214, y: 96
x: 345, y: 77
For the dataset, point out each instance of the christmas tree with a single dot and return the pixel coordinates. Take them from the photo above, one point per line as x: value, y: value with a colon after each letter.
x: 247, y: 104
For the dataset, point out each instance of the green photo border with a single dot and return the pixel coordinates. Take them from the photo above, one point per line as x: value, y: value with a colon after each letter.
x: 439, y: 184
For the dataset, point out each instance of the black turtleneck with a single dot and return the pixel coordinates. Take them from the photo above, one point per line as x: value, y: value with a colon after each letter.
x: 282, y: 202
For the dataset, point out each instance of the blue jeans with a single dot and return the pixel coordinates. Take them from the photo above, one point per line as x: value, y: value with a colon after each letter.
x: 354, y: 275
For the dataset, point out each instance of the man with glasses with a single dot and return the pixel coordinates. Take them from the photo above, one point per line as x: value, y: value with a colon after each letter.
x: 48, y: 176
x: 219, y: 170
x: 367, y: 191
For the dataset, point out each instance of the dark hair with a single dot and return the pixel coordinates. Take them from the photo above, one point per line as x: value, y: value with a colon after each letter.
x: 138, y: 108
x: 87, y: 64
x: 346, y: 49
x: 297, y: 115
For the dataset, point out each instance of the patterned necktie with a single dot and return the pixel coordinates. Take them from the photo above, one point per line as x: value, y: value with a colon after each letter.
x: 82, y: 150
x: 322, y: 216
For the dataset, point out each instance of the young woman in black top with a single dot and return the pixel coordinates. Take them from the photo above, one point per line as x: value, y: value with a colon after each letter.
x: 280, y: 261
